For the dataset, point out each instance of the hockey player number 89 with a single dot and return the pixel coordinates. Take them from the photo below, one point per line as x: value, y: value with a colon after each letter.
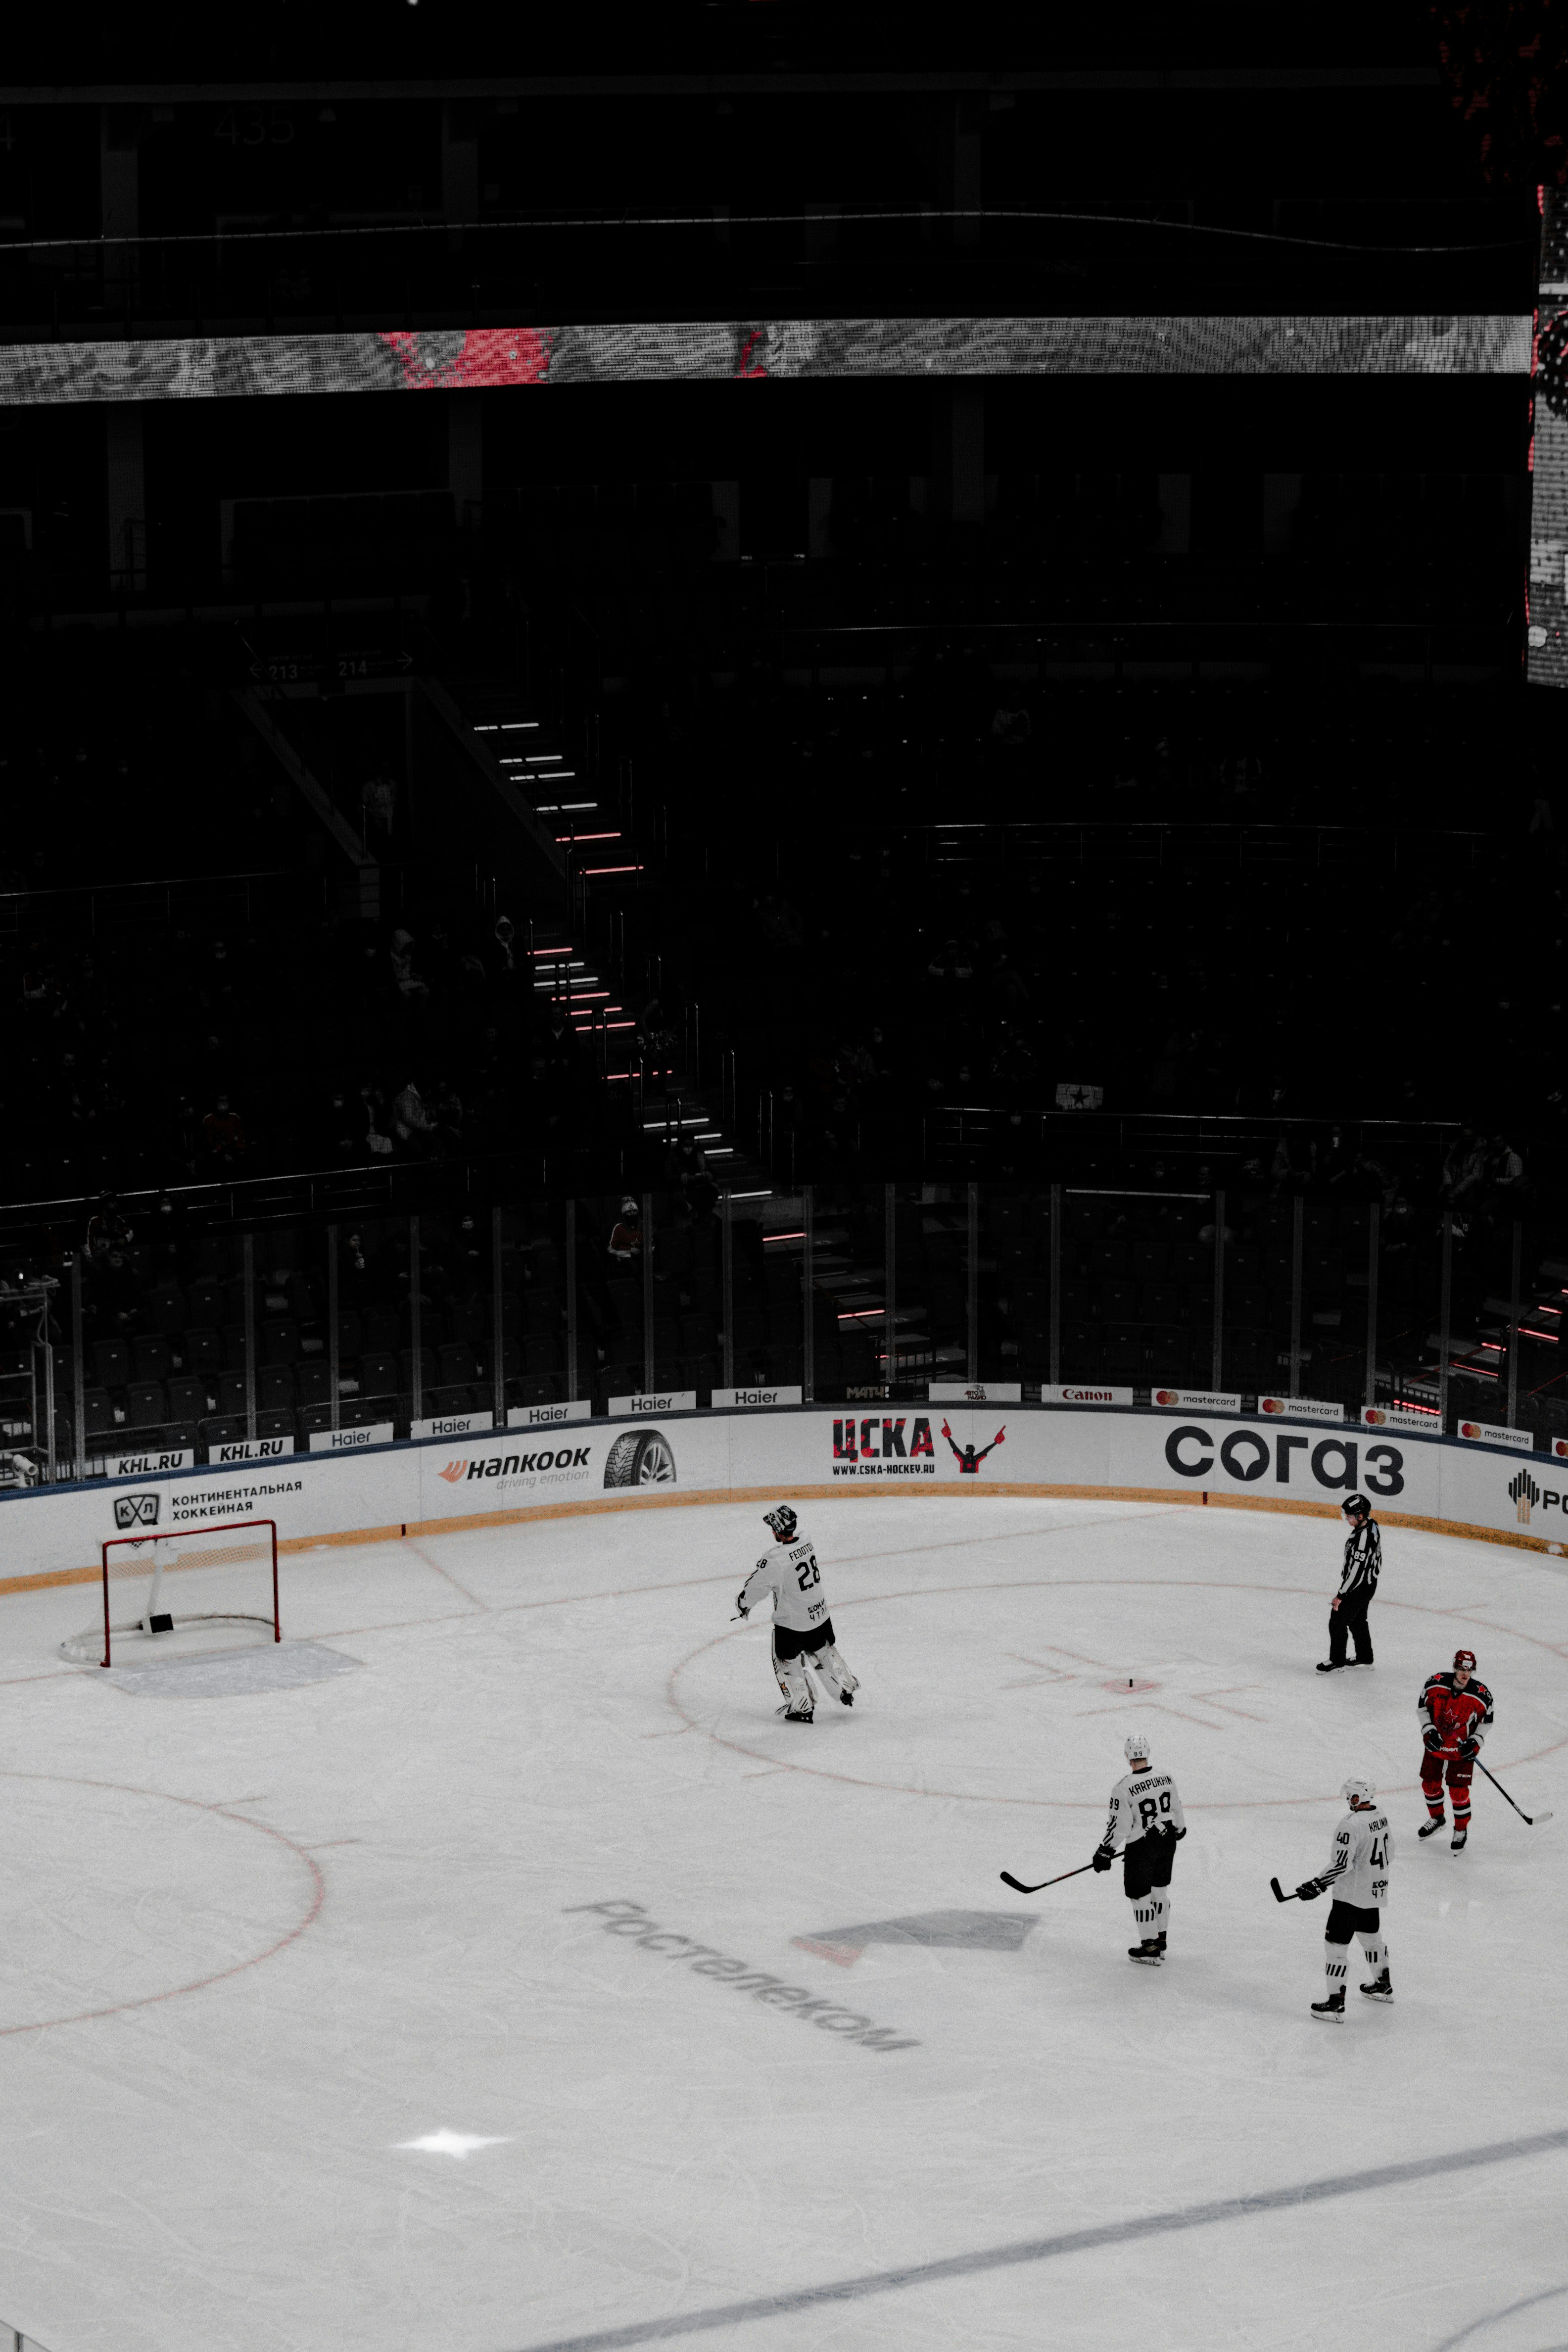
x: 1149, y: 1811
x: 807, y: 1574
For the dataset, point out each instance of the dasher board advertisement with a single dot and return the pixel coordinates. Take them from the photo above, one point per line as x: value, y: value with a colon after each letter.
x: 525, y: 1473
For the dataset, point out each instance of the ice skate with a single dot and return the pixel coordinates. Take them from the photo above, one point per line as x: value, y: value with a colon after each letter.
x: 1457, y: 1842
x: 1379, y: 1989
x: 1148, y: 1952
x: 795, y: 1714
x: 1331, y: 2010
x: 1331, y: 1666
x: 1430, y: 1829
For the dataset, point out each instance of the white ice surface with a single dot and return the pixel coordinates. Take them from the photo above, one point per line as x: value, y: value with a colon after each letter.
x: 299, y: 1927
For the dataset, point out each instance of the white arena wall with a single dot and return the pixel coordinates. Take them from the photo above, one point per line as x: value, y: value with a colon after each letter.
x: 1442, y: 1485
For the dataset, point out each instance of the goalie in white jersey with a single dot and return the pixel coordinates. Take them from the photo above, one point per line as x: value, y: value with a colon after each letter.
x: 1146, y: 1818
x: 802, y: 1629
x: 1358, y: 1873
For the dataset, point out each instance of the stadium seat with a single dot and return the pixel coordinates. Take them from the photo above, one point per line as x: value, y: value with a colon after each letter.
x: 377, y: 1373
x: 205, y: 1303
x: 202, y: 1350
x: 456, y: 1365
x: 145, y: 1407
x: 153, y: 1357
x: 442, y: 1401
x: 278, y: 1340
x: 312, y: 1384
x: 187, y: 1398
x: 98, y: 1412
x: 111, y: 1363
x: 380, y: 1327
x: 275, y: 1388
x: 166, y: 1308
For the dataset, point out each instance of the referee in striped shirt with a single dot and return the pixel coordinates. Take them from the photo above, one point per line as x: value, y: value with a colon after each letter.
x: 1357, y: 1583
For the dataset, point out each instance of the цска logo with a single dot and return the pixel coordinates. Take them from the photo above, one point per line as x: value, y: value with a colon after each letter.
x: 136, y: 1510
x: 1524, y: 1491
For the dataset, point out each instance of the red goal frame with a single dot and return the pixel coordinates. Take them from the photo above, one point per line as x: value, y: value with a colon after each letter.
x: 217, y: 1528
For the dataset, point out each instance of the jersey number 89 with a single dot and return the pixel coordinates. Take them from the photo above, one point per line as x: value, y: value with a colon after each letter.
x: 1149, y: 1812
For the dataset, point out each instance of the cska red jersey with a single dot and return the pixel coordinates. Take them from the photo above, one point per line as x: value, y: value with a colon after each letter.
x: 1458, y: 1713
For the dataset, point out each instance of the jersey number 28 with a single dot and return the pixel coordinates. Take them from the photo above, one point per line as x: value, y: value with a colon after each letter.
x: 1149, y: 1811
x: 806, y: 1573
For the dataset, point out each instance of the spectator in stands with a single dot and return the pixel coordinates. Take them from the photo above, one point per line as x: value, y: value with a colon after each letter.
x: 223, y: 1134
x: 626, y: 1236
x: 106, y: 1228
x: 378, y: 799
x: 409, y: 986
x: 412, y: 1123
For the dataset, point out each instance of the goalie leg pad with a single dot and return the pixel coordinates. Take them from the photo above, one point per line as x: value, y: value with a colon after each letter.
x: 829, y: 1664
x: 792, y: 1680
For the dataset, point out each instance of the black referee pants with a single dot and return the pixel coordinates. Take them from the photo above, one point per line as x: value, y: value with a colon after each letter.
x: 1350, y: 1618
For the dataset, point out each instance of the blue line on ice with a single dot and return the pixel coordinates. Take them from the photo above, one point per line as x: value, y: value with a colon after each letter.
x: 1040, y: 2250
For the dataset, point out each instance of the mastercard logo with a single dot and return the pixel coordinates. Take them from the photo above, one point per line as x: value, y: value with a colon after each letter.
x: 1469, y: 1429
x: 1271, y: 1404
x: 1558, y: 1449
x: 1374, y: 1418
x: 1166, y: 1396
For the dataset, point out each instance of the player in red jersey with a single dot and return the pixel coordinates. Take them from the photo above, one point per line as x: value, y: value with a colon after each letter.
x: 1456, y: 1711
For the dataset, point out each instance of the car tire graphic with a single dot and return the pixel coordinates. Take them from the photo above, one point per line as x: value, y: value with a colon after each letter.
x: 640, y: 1457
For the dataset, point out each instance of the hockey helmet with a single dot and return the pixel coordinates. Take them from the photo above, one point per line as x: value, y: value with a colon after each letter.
x: 1358, y: 1792
x: 782, y: 1521
x: 1136, y: 1748
x: 1356, y: 1507
x: 1465, y: 1659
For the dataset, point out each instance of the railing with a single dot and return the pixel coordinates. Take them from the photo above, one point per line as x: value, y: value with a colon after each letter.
x: 1364, y: 1290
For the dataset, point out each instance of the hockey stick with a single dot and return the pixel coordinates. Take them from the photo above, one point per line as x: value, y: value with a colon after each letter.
x: 1019, y: 1888
x: 1281, y: 1897
x: 1529, y: 1819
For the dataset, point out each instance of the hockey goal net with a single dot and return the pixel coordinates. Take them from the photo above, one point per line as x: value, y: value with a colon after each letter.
x: 207, y: 1579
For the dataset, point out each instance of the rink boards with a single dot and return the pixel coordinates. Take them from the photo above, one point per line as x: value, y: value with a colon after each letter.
x: 1439, y: 1484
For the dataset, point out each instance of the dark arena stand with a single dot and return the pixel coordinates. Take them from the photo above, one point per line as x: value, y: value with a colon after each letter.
x: 930, y: 904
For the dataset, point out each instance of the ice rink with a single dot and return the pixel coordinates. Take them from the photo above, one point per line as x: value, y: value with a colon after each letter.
x: 489, y: 1971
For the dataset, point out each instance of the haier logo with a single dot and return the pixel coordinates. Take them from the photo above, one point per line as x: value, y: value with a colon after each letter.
x: 136, y: 1510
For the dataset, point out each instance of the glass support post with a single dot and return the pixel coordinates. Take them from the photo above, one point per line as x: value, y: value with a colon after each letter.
x: 1374, y: 1228
x: 648, y: 1365
x: 248, y: 1261
x: 1444, y: 1315
x: 972, y: 1270
x: 1056, y: 1285
x: 1219, y: 1356
x: 415, y: 1325
x: 890, y: 1282
x: 79, y: 1374
x: 808, y: 1296
x: 332, y: 1356
x: 1513, y: 1330
x: 572, y: 1300
x: 497, y: 1329
x: 727, y: 1287
x: 1297, y: 1222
